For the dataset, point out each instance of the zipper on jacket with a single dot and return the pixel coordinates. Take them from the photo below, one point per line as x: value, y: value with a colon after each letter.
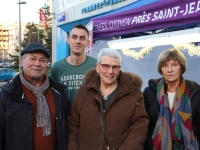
x: 29, y: 114
x: 194, y: 127
x: 56, y: 91
x: 194, y: 92
x: 57, y: 99
x: 22, y: 95
x: 81, y: 105
x: 31, y: 128
x: 112, y: 102
x: 29, y: 122
x: 57, y: 103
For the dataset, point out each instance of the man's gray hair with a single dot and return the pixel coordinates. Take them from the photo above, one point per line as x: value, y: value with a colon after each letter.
x: 108, y: 52
x: 24, y: 56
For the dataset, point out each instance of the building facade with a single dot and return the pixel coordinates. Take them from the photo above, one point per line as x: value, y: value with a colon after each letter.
x: 9, y: 39
x: 131, y: 22
x: 71, y: 12
x: 4, y: 41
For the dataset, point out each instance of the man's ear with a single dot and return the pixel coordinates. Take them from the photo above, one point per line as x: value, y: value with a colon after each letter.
x: 88, y: 43
x: 97, y: 67
x: 67, y: 39
x: 21, y: 62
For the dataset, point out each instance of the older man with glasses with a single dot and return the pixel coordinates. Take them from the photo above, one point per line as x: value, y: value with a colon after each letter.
x: 108, y: 112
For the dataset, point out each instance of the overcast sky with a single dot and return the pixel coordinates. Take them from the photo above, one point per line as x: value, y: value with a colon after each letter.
x: 9, y: 10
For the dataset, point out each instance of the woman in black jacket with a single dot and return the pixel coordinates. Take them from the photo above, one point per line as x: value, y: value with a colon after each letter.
x: 173, y: 106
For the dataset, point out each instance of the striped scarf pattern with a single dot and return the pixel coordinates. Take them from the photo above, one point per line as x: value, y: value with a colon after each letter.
x: 176, y: 124
x: 43, y: 114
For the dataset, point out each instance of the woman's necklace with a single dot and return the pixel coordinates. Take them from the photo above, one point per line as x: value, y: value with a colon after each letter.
x: 105, y: 97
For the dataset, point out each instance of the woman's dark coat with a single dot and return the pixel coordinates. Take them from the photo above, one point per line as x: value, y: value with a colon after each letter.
x: 153, y: 108
x: 125, y: 119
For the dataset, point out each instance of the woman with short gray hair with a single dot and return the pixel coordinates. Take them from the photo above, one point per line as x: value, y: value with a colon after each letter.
x: 108, y: 52
x: 173, y: 106
x: 108, y: 112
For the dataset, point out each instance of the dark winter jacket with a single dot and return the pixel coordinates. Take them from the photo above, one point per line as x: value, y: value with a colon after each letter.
x: 153, y: 108
x: 125, y: 120
x: 16, y: 124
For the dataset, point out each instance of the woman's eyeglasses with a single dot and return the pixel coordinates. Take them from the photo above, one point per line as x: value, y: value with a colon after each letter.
x: 172, y: 66
x: 106, y: 67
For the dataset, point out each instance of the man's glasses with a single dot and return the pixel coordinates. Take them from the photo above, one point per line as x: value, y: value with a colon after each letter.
x: 106, y: 67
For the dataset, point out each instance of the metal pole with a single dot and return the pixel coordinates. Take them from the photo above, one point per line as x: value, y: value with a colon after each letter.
x: 19, y: 38
x: 38, y: 35
x: 3, y: 54
x: 20, y: 34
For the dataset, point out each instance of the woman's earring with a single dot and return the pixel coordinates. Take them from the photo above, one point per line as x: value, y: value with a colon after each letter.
x: 97, y: 74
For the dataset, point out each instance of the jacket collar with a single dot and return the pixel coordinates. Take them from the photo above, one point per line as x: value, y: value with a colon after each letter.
x: 193, y: 86
x: 14, y: 88
x: 127, y: 80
